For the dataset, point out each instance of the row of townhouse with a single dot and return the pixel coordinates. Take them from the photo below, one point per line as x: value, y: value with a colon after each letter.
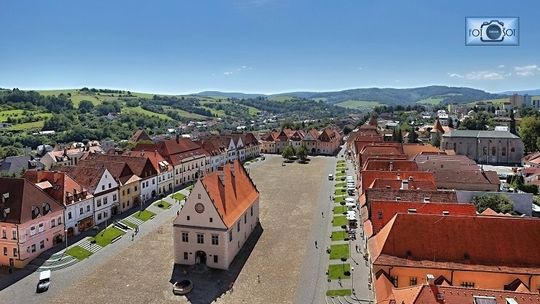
x: 324, y: 142
x: 423, y: 242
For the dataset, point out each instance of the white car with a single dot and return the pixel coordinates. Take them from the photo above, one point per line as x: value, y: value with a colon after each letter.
x: 44, y: 281
x: 330, y: 176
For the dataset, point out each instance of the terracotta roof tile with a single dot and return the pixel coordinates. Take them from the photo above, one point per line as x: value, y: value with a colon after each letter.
x: 368, y: 176
x: 64, y: 189
x: 233, y: 194
x: 414, y: 149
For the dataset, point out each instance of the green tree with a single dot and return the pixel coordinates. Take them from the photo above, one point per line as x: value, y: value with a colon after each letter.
x: 288, y: 152
x: 529, y: 131
x: 86, y: 106
x: 512, y: 123
x: 302, y: 153
x: 413, y: 137
x: 496, y: 202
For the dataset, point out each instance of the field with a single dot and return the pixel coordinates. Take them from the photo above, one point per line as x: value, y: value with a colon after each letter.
x: 140, y: 111
x: 431, y: 101
x: 358, y: 104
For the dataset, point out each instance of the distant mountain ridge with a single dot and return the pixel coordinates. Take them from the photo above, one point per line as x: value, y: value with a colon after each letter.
x: 521, y: 92
x: 389, y: 96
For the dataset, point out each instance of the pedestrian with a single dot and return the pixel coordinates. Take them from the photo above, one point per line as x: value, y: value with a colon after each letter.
x: 178, y: 212
x: 316, y: 244
x: 258, y: 278
x: 132, y: 236
x: 356, y: 248
x: 322, y: 214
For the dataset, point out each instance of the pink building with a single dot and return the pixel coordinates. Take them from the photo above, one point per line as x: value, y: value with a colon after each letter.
x: 31, y: 222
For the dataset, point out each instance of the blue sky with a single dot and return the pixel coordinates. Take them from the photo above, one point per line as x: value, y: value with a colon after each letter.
x: 259, y: 46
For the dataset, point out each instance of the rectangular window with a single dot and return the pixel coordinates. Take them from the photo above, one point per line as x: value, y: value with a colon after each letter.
x: 467, y: 284
x: 41, y: 227
x: 5, y: 251
x: 110, y: 186
x: 135, y: 189
x: 211, y: 220
x: 187, y: 218
x: 98, y: 202
x: 251, y: 210
x: 99, y: 216
x: 69, y: 215
x: 105, y: 214
x: 88, y: 208
x: 394, y: 280
x: 14, y: 233
x: 215, y: 258
x: 230, y: 235
x: 53, y: 223
x: 81, y: 210
x: 413, y: 281
x: 128, y: 190
x: 185, y: 237
x: 185, y: 255
x: 33, y: 230
x: 33, y: 247
x: 245, y: 218
x: 200, y: 238
x: 238, y: 227
x: 59, y: 221
x: 4, y: 233
x: 215, y: 239
x: 105, y: 200
x: 42, y: 244
x: 14, y: 252
x: 114, y: 197
x: 102, y: 187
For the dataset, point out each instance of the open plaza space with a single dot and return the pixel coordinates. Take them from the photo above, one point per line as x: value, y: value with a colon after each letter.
x: 139, y: 271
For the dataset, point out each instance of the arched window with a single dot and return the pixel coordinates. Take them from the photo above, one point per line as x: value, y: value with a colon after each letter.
x: 493, y: 151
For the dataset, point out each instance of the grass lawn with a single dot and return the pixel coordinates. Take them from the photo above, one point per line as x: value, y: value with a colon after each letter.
x: 341, y: 184
x: 178, y: 196
x: 339, y: 199
x: 162, y: 204
x: 35, y: 125
x: 340, y: 209
x: 338, y: 292
x: 130, y: 224
x: 339, y: 251
x: 340, y: 174
x: 78, y: 252
x: 338, y: 271
x: 340, y: 161
x: 339, y: 235
x: 339, y: 220
x: 340, y: 191
x: 144, y: 215
x: 104, y: 237
x: 140, y: 111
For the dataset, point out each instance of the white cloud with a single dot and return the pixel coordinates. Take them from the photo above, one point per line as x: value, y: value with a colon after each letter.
x: 227, y: 73
x: 237, y: 70
x: 455, y: 75
x: 527, y: 70
x: 484, y: 75
x: 500, y: 66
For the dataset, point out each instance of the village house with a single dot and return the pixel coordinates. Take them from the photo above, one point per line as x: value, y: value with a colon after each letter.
x: 220, y: 214
x: 77, y: 201
x: 459, y: 250
x: 165, y: 177
x: 31, y: 222
x: 189, y: 160
x: 318, y: 142
x: 101, y: 184
x: 68, y: 156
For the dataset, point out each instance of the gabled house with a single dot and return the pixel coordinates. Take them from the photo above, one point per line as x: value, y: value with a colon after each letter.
x: 31, y: 222
x: 220, y: 214
x: 68, y: 157
x: 101, y: 184
x: 165, y: 171
x: 77, y: 201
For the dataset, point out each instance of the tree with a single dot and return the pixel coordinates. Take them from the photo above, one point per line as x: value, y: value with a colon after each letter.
x: 529, y: 131
x: 302, y: 153
x: 413, y: 137
x: 478, y: 121
x: 512, y: 123
x: 86, y: 106
x: 496, y: 202
x: 288, y: 152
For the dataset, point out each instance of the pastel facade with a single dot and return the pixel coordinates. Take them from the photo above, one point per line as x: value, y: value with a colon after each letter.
x: 220, y: 214
x: 324, y: 142
x: 31, y: 222
x: 68, y: 157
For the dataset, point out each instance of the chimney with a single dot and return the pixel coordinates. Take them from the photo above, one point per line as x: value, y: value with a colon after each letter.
x: 404, y: 184
x: 430, y: 279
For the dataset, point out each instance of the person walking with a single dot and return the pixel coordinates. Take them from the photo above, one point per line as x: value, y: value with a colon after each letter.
x: 322, y: 214
x: 258, y: 278
x: 316, y: 244
x: 132, y: 236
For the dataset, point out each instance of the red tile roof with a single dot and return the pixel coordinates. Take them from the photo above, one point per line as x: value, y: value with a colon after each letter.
x: 21, y: 197
x: 437, y: 241
x: 414, y: 149
x: 395, y: 184
x: 159, y: 163
x: 368, y: 176
x: 383, y: 211
x: 64, y: 189
x: 174, y: 150
x: 232, y: 194
x: 407, y: 195
x: 390, y: 165
x: 88, y: 177
x: 426, y: 294
x: 138, y: 164
x: 141, y: 135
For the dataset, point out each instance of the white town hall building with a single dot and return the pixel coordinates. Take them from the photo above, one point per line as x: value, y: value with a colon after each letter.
x: 218, y: 217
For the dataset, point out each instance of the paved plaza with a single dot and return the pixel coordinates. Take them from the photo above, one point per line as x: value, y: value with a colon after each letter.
x: 282, y: 267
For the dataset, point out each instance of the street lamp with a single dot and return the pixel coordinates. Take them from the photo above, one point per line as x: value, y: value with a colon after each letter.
x: 352, y: 278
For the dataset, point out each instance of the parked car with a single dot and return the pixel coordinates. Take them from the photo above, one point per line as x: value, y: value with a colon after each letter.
x: 44, y: 281
x: 330, y: 176
x: 183, y: 287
